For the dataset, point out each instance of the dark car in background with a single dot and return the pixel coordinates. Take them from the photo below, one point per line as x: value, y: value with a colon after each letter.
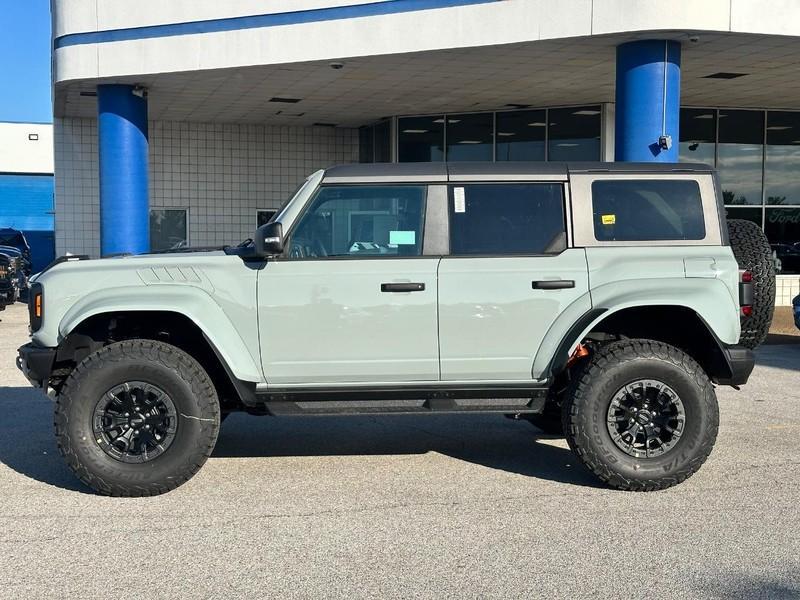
x: 7, y: 292
x: 15, y: 239
x: 16, y: 252
x: 796, y: 308
x: 788, y: 256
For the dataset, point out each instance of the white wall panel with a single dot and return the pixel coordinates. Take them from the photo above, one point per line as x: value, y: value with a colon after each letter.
x: 221, y: 173
x: 614, y: 16
x: 20, y: 154
x: 776, y: 17
x: 494, y: 23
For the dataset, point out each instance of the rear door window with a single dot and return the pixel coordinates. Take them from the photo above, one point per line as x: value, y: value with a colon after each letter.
x: 647, y: 209
x: 507, y: 219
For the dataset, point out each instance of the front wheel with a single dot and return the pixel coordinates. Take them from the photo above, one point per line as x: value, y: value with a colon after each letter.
x: 642, y: 415
x: 137, y: 418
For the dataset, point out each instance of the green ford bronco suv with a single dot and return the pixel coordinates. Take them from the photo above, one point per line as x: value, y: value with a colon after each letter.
x: 599, y: 301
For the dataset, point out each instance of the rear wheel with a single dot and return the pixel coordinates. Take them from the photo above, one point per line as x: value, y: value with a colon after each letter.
x: 752, y: 251
x: 642, y: 415
x: 137, y: 418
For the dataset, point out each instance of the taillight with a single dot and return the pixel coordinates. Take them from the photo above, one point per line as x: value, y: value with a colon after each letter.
x: 746, y: 293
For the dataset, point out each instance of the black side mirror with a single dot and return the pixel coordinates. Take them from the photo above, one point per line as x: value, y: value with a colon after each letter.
x: 268, y: 240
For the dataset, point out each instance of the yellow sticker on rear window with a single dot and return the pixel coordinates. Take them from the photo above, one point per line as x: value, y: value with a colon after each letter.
x: 608, y: 219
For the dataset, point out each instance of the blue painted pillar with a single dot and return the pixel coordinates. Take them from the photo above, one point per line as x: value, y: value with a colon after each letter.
x: 123, y: 146
x: 648, y: 100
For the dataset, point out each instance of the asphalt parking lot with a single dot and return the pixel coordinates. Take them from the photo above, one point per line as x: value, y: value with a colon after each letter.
x: 444, y: 506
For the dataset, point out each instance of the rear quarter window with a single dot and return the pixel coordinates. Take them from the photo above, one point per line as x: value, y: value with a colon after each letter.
x: 647, y: 209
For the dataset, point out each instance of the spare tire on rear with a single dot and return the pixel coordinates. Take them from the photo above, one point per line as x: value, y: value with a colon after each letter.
x: 753, y: 253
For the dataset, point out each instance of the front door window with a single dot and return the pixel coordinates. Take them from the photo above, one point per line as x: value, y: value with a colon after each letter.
x: 359, y: 221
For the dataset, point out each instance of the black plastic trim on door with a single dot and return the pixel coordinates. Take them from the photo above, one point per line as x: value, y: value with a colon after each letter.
x: 402, y: 287
x: 553, y: 284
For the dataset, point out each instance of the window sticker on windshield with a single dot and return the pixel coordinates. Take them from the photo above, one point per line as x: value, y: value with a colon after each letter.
x: 402, y: 238
x: 608, y: 219
x: 460, y: 203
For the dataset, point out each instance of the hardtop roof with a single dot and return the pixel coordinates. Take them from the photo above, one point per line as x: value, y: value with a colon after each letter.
x: 443, y: 172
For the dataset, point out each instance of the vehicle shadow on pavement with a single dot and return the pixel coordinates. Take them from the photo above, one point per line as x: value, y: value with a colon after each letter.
x: 28, y: 447
x: 489, y: 440
x: 779, y: 356
x: 27, y: 442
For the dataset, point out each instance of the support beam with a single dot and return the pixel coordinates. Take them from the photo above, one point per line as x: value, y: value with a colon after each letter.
x: 123, y: 149
x: 648, y: 101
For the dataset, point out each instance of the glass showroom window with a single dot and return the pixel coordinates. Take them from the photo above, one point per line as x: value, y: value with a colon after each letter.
x: 521, y: 135
x: 420, y: 139
x: 698, y: 135
x: 574, y: 133
x: 470, y: 137
x: 740, y: 155
x: 168, y: 229
x: 782, y: 167
x: 366, y: 144
x: 375, y: 142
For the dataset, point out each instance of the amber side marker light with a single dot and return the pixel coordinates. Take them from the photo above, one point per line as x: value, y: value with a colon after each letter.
x: 37, y: 306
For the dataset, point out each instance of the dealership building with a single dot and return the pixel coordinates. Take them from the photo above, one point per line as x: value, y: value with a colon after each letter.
x: 190, y: 121
x: 26, y: 188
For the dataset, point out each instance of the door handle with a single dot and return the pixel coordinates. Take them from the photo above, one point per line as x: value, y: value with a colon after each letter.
x: 402, y: 287
x: 553, y: 284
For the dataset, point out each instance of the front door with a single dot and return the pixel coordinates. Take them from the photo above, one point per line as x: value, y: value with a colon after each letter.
x: 508, y: 277
x: 353, y: 300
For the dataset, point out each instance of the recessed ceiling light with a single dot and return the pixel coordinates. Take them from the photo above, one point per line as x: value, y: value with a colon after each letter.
x: 563, y: 145
x: 469, y: 142
x: 439, y: 120
x: 586, y: 113
x: 285, y: 100
x: 505, y: 133
x: 454, y: 120
x: 778, y: 127
x: 415, y: 131
x: 724, y: 75
x: 538, y: 124
x: 704, y: 116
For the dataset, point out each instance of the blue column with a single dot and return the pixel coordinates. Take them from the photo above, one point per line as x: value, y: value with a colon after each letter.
x: 648, y: 100
x: 123, y: 145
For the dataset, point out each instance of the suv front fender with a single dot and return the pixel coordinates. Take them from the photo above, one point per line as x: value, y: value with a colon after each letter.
x: 191, y: 302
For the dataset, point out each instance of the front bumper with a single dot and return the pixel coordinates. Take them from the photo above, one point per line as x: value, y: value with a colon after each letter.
x: 36, y: 363
x: 740, y: 361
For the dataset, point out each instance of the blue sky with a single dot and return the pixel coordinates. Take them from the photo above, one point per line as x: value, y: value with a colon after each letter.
x: 25, y: 61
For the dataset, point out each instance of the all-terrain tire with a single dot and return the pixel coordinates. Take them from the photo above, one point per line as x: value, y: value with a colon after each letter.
x: 752, y: 251
x: 585, y: 413
x: 176, y: 373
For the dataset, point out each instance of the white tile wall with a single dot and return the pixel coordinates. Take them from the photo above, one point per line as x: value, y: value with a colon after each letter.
x: 786, y: 288
x: 222, y: 173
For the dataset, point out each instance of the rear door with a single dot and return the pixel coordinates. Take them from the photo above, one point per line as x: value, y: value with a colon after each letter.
x: 508, y: 276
